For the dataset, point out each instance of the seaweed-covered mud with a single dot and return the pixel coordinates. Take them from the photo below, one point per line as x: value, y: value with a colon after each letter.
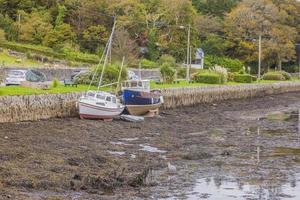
x: 242, y: 149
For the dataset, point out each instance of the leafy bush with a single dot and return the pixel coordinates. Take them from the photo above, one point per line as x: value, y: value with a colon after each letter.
x: 167, y: 72
x: 2, y: 35
x: 222, y: 71
x: 273, y: 76
x: 111, y: 75
x: 55, y: 83
x: 210, y: 78
x: 148, y: 64
x: 286, y: 75
x: 181, y: 72
x: 167, y: 59
x: 243, y: 78
x: 233, y: 65
x: 230, y: 76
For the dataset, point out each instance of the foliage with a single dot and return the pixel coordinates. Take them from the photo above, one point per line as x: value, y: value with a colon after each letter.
x: 210, y: 78
x: 215, y: 45
x: 215, y: 7
x: 243, y: 78
x: 165, y: 58
x: 2, y: 35
x: 148, y: 64
x: 276, y: 76
x: 222, y: 72
x: 155, y: 27
x: 35, y: 26
x: 65, y: 53
x: 286, y: 75
x: 111, y: 75
x: 231, y: 76
x: 233, y: 65
x: 55, y: 83
x: 168, y: 72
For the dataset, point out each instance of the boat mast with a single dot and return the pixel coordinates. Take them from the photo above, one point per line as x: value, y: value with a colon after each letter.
x: 120, y: 74
x: 107, y: 52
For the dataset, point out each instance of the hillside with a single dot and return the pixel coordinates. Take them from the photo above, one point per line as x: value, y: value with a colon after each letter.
x: 76, y: 31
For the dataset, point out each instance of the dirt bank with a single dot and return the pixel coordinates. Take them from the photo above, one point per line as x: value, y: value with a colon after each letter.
x: 78, y: 159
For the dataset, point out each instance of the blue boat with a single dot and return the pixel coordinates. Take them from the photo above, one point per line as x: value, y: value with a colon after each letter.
x: 138, y: 98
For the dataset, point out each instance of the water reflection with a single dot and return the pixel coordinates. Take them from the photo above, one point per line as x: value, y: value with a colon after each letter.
x: 229, y: 188
x: 261, y: 177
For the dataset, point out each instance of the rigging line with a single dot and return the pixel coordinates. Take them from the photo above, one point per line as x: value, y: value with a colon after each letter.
x: 99, y: 64
x: 106, y: 56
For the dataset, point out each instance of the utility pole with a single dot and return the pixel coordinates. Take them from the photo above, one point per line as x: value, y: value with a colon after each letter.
x: 259, y: 57
x: 188, y: 55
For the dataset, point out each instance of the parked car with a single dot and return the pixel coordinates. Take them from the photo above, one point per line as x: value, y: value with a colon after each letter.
x: 15, y: 77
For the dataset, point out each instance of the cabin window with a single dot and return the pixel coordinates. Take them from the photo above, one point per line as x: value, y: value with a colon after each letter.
x: 108, y: 98
x: 140, y: 84
x: 99, y: 96
x: 146, y: 85
x: 133, y: 84
x: 90, y: 94
x: 114, y: 100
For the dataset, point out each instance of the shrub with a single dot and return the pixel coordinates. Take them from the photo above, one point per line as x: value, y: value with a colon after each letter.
x: 273, y: 76
x: 243, y: 78
x: 230, y: 76
x: 2, y: 35
x: 148, y: 64
x: 210, y: 78
x: 167, y: 72
x: 55, y: 83
x: 222, y: 71
x: 233, y: 65
x: 286, y: 75
x: 111, y: 75
x: 167, y: 59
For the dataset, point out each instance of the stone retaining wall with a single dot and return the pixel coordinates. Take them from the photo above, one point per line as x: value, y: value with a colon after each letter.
x: 36, y: 107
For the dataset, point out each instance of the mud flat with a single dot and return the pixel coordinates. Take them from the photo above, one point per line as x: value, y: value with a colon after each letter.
x: 238, y: 149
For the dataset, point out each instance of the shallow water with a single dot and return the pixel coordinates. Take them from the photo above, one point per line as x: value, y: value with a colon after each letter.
x: 268, y: 167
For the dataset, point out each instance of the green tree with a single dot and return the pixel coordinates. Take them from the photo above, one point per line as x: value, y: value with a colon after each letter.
x: 35, y: 26
x: 215, y: 45
x: 94, y: 37
x: 215, y: 7
x: 60, y: 36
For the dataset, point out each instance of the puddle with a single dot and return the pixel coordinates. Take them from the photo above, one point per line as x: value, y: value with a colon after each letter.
x: 224, y: 188
x: 129, y: 139
x: 151, y: 149
x: 117, y: 153
x: 120, y: 143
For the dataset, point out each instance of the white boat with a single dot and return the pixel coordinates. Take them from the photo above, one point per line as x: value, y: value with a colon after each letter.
x: 99, y: 105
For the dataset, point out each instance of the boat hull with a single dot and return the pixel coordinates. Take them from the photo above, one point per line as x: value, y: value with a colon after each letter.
x: 139, y: 110
x: 88, y: 111
x: 131, y: 97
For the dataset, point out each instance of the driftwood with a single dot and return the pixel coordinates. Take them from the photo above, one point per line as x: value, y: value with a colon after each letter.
x: 37, y: 107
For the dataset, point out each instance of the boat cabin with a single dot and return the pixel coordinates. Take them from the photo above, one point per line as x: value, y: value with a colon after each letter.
x: 101, y: 97
x: 137, y: 85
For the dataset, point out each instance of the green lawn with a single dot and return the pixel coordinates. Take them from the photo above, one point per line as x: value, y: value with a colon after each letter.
x: 186, y: 84
x: 18, y: 90
x: 7, y: 60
